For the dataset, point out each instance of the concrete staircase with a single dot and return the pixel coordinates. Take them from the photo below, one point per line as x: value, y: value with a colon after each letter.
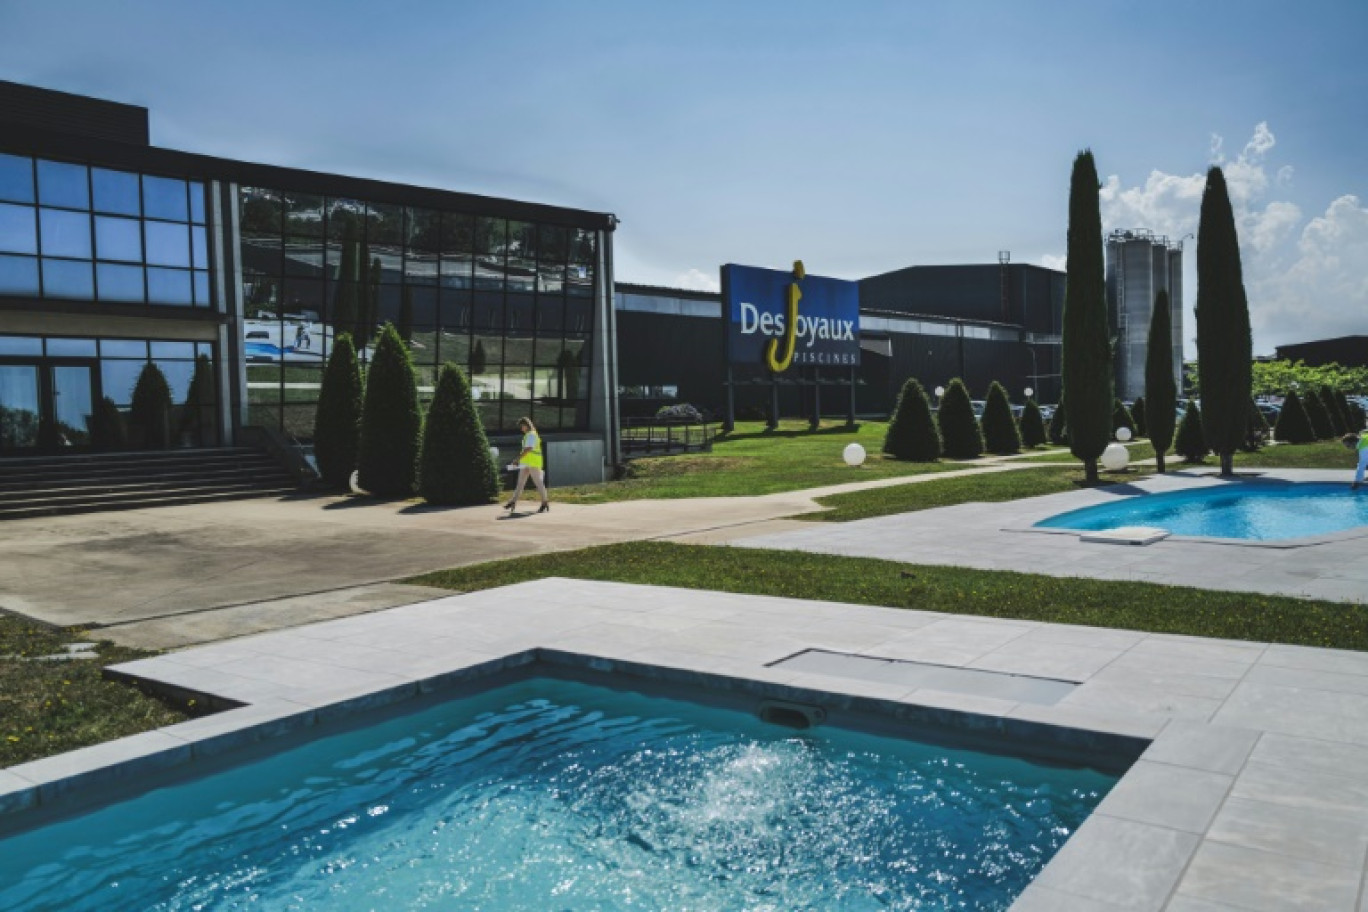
x: 89, y: 482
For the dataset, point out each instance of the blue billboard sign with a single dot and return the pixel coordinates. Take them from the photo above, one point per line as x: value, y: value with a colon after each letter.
x: 780, y: 319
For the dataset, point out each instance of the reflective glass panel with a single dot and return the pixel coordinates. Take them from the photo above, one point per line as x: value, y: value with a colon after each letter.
x: 118, y: 239
x: 550, y: 314
x: 71, y: 402
x: 346, y: 218
x: 420, y: 268
x: 199, y: 247
x: 18, y: 275
x: 60, y: 184
x: 424, y: 230
x: 20, y: 345
x: 385, y: 225
x: 304, y: 215
x: 118, y: 378
x: 197, y: 203
x: 522, y: 256
x: 169, y: 286
x: 261, y: 212
x: 123, y: 348
x: 65, y: 234
x: 18, y: 230
x: 167, y: 244
x: 19, y: 403
x: 67, y: 279
x: 119, y: 283
x: 70, y: 348
x: 579, y: 275
x: 116, y: 192
x: 178, y: 374
x: 165, y: 198
x: 16, y: 178
x: 173, y: 349
x: 201, y: 279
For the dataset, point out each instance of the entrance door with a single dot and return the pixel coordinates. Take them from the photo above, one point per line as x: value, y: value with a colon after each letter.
x: 46, y: 405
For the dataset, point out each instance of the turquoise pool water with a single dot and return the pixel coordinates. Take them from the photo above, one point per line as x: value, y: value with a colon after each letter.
x: 548, y: 795
x: 1260, y: 512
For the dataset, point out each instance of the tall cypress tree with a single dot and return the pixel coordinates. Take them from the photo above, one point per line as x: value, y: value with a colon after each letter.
x: 1161, y: 390
x: 1086, y: 366
x: 346, y: 300
x: 455, y: 467
x: 391, y: 421
x: 1224, y: 347
x: 337, y: 421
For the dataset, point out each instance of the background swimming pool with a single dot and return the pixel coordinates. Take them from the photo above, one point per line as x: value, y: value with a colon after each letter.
x: 548, y: 795
x: 1257, y: 511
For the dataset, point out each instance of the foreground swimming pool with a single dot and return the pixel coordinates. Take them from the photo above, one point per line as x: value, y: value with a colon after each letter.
x: 1260, y: 512
x: 552, y: 795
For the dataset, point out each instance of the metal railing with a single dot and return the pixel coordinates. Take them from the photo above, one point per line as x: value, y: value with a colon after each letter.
x: 660, y: 437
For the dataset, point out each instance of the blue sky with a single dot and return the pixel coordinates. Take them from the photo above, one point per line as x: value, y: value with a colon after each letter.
x: 859, y: 137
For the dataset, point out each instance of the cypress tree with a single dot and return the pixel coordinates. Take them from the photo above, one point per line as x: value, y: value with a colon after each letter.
x: 1059, y: 428
x: 1191, y: 441
x: 912, y: 432
x: 1000, y: 434
x: 1258, y: 429
x: 391, y: 422
x: 150, y: 414
x: 478, y: 361
x: 1086, y: 366
x: 1338, y: 425
x: 1320, y: 418
x: 1224, y: 348
x: 1138, y: 416
x: 1357, y: 418
x: 1161, y: 390
x: 1341, y: 404
x: 198, y: 412
x: 107, y: 426
x: 959, y: 429
x: 370, y: 312
x: 346, y: 306
x: 1032, y: 425
x: 337, y: 421
x: 455, y: 467
x: 406, y: 314
x: 1121, y: 418
x: 1294, y: 424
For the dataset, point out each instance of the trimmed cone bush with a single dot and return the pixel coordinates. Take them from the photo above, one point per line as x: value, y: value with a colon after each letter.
x: 455, y: 467
x: 1320, y: 418
x: 1341, y: 404
x: 1357, y: 417
x: 391, y: 422
x: 337, y: 421
x: 107, y: 426
x: 1337, y: 423
x: 912, y: 432
x: 1191, y: 440
x: 1000, y: 434
x: 1032, y: 425
x: 1294, y: 425
x: 1121, y: 418
x: 150, y: 416
x: 959, y: 429
x: 1258, y: 429
x: 1059, y: 429
x: 198, y: 413
x: 1137, y: 413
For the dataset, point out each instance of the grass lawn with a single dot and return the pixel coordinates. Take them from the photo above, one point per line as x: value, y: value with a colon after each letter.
x: 1138, y: 449
x: 953, y: 590
x: 751, y: 460
x: 48, y: 707
x: 1324, y: 454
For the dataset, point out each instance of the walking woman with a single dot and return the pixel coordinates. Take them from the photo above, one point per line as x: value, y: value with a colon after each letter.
x: 529, y: 463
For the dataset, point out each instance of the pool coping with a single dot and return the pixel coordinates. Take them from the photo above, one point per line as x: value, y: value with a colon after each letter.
x: 1257, y: 756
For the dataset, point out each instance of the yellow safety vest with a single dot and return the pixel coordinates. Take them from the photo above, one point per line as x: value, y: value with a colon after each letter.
x: 533, y: 459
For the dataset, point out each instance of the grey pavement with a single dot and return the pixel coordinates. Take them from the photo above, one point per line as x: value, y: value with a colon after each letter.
x: 1251, y: 795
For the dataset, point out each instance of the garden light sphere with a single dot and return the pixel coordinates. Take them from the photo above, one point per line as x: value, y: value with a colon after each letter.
x: 854, y: 454
x: 1115, y: 457
x: 1123, y: 434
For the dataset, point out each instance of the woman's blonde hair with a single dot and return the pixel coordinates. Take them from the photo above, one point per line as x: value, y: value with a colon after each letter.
x: 527, y: 423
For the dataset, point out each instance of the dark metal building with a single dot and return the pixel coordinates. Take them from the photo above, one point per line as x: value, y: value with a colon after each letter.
x: 1346, y: 351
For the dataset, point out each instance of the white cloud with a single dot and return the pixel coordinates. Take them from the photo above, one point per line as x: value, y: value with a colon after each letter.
x: 697, y: 280
x: 1050, y: 261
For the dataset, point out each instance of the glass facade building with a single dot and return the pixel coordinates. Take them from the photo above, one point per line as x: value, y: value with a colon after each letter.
x: 115, y: 254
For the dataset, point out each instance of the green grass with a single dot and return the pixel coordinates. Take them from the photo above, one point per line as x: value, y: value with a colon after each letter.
x: 1324, y: 454
x: 1139, y: 449
x: 48, y: 707
x: 751, y: 460
x: 953, y: 590
x: 983, y: 487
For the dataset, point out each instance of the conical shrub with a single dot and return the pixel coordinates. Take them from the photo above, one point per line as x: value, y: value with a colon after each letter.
x: 1294, y: 424
x: 150, y: 414
x: 1258, y: 429
x: 959, y: 429
x: 1137, y: 413
x: 1341, y: 404
x: 1357, y: 417
x: 1337, y: 422
x: 1000, y: 434
x: 199, y: 412
x: 337, y: 420
x: 391, y: 422
x: 455, y: 468
x: 1032, y: 425
x: 1190, y: 442
x: 1121, y: 418
x: 1059, y: 428
x: 107, y: 430
x: 1320, y: 418
x: 912, y: 432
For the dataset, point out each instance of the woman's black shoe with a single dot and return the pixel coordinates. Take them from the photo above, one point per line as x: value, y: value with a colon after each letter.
x: 545, y: 507
x: 510, y: 505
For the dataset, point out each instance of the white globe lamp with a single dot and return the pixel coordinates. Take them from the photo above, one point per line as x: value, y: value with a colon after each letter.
x: 1029, y: 392
x: 1123, y: 434
x: 854, y: 455
x: 1115, y: 457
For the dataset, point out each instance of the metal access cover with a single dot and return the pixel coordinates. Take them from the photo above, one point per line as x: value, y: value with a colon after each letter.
x: 923, y: 675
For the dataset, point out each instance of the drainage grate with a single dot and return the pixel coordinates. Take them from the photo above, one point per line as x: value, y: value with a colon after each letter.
x: 1019, y: 688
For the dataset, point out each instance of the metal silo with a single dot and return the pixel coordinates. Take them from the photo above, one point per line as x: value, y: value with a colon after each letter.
x: 1139, y: 266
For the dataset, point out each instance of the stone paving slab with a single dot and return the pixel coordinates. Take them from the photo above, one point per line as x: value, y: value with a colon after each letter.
x: 1234, y: 805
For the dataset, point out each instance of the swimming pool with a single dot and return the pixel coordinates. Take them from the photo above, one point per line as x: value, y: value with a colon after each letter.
x: 1254, y: 511
x: 552, y: 794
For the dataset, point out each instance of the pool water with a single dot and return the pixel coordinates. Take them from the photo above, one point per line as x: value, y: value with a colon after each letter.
x: 550, y: 795
x: 1257, y: 511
